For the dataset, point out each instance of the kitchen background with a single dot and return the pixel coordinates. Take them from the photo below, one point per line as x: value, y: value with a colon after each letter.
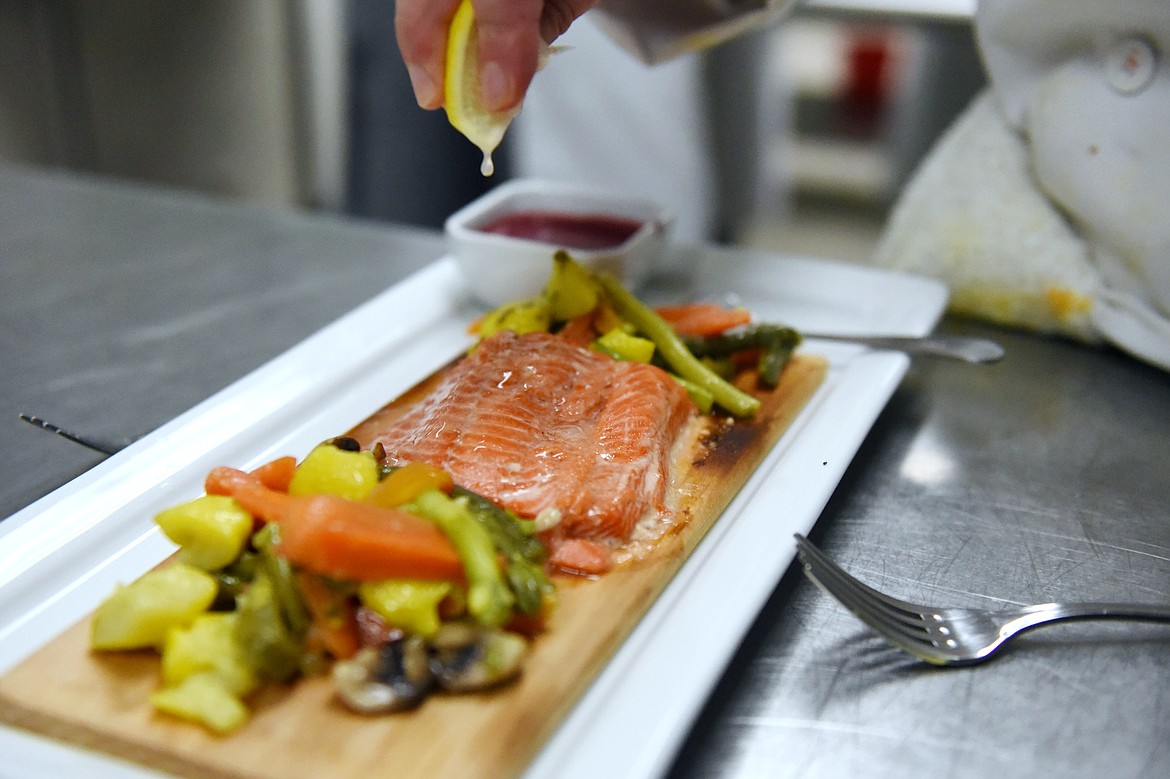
x: 796, y: 138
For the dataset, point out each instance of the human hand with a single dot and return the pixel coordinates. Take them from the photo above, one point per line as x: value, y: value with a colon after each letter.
x: 511, y: 34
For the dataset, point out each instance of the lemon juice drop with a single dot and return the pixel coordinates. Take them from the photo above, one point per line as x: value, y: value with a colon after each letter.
x: 461, y: 90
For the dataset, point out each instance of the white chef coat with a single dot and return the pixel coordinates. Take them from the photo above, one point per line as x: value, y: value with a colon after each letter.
x: 1047, y: 203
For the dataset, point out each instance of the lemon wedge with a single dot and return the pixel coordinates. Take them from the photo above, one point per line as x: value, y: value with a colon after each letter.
x: 461, y: 90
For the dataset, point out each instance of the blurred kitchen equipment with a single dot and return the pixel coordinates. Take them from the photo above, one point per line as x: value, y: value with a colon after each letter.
x: 657, y: 30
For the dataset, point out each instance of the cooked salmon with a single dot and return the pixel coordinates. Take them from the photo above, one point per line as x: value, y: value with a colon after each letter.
x: 540, y: 424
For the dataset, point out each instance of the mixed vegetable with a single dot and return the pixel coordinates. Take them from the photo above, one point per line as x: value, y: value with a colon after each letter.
x: 702, y: 345
x: 392, y: 578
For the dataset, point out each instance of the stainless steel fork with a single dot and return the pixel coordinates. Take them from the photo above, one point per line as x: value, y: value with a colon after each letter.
x: 951, y: 636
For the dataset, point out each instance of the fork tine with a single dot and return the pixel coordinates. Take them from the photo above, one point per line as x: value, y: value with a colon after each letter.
x: 917, y: 646
x: 852, y: 592
x: 905, y: 630
x: 900, y: 608
x: 871, y: 612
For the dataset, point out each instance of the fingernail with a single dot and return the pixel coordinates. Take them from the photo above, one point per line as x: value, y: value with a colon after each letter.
x: 495, y: 87
x: 426, y: 91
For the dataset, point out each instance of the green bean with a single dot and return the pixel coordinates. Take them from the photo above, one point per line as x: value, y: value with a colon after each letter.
x: 529, y: 585
x: 272, y: 649
x: 489, y: 600
x: 772, y: 362
x: 506, y: 529
x: 776, y: 341
x: 699, y: 395
x: 674, y: 351
x: 233, y: 580
x: 751, y: 337
x: 524, y: 552
x: 280, y: 574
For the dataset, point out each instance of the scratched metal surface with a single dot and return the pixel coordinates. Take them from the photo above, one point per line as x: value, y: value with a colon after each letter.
x: 122, y: 307
x: 1043, y: 477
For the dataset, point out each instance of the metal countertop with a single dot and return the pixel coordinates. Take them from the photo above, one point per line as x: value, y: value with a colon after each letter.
x: 1044, y: 477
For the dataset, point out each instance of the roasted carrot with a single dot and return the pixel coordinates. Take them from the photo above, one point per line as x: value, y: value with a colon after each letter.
x: 223, y: 480
x: 702, y: 319
x: 277, y: 475
x: 334, y: 616
x: 343, y: 538
x: 579, y: 329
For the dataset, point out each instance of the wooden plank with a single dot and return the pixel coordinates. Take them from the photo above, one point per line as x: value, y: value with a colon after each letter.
x: 100, y: 700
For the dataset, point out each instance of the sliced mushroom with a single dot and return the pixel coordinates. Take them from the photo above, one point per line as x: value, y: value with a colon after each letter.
x: 468, y: 658
x: 392, y: 677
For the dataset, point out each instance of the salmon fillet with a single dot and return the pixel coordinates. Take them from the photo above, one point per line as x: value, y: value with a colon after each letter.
x: 537, y: 423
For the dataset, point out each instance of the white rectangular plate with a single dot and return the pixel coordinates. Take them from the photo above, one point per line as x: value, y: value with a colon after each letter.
x: 63, y: 554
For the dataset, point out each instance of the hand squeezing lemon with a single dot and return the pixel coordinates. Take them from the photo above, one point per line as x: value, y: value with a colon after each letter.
x: 461, y: 90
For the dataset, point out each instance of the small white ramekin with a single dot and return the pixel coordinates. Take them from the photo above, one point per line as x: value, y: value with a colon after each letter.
x: 501, y: 268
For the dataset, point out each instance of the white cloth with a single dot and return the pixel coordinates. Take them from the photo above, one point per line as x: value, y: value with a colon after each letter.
x: 1045, y: 206
x: 598, y: 117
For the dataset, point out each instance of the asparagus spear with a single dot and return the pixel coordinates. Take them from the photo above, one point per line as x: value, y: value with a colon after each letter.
x: 673, y: 350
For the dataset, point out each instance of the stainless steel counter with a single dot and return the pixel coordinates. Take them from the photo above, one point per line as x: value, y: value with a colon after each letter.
x: 1044, y: 477
x: 121, y: 307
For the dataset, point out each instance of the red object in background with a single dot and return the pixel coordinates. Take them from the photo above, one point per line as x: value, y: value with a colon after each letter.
x: 866, y: 94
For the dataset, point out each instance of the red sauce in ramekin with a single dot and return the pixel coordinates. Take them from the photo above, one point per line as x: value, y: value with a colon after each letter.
x: 570, y: 231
